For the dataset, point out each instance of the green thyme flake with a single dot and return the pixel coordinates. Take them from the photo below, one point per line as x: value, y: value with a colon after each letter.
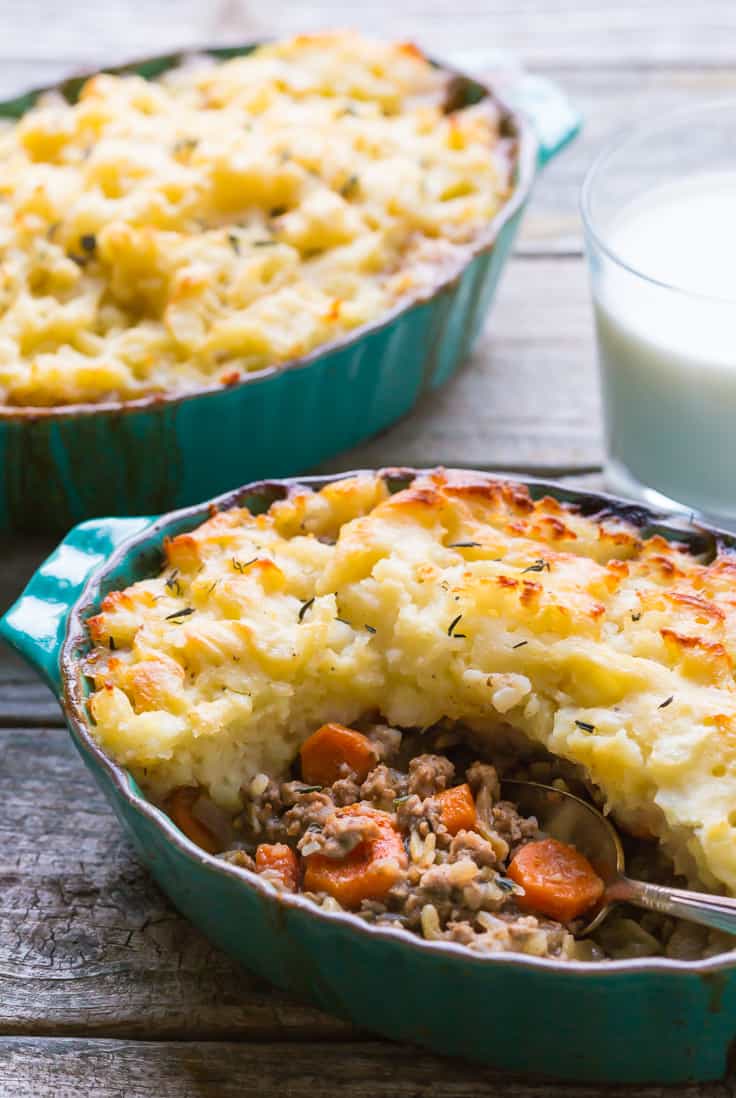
x: 451, y: 629
x: 211, y: 587
x: 185, y: 144
x: 310, y: 789
x: 234, y: 242
x: 520, y: 644
x: 343, y: 622
x: 401, y: 800
x: 505, y: 883
x: 88, y: 242
x: 453, y: 623
x: 350, y: 186
x: 538, y: 566
x: 172, y: 583
x: 304, y: 607
x: 370, y: 628
x: 465, y: 545
x: 184, y: 613
x: 240, y: 566
x: 585, y: 727
x: 265, y: 243
x: 667, y: 702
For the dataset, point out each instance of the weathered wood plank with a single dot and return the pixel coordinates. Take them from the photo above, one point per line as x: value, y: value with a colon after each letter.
x: 117, y: 1069
x: 88, y: 943
x: 543, y: 32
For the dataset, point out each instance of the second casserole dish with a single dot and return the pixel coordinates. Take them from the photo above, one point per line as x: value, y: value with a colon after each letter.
x: 240, y: 264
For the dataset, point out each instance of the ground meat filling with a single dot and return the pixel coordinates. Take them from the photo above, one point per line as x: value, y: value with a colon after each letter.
x: 451, y: 883
x: 412, y: 831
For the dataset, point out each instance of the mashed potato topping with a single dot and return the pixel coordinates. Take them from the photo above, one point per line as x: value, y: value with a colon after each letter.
x: 457, y: 597
x: 160, y: 236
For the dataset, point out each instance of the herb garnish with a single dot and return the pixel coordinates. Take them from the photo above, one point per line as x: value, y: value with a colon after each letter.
x: 211, y: 587
x: 350, y: 186
x: 234, y: 242
x: 186, y: 144
x: 505, y: 883
x: 88, y: 242
x: 342, y: 620
x: 265, y: 243
x: 520, y: 644
x: 240, y: 566
x: 304, y: 607
x: 310, y: 789
x: 370, y: 628
x: 172, y: 582
x: 537, y: 566
x: 585, y: 727
x: 464, y: 545
x: 277, y: 211
x: 187, y: 610
x: 451, y: 629
x: 667, y: 702
x: 401, y: 800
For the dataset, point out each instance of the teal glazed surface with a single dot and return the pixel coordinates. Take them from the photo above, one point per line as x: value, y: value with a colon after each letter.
x: 652, y: 1020
x: 62, y: 465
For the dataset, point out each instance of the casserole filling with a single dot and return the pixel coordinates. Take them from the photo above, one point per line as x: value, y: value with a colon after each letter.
x: 168, y: 235
x: 444, y: 597
x: 410, y: 829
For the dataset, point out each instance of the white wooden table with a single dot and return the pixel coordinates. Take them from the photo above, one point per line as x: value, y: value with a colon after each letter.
x: 104, y: 989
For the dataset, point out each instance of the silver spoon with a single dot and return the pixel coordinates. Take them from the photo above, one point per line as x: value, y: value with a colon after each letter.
x: 566, y: 817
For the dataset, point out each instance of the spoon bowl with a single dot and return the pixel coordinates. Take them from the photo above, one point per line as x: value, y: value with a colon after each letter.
x: 571, y: 820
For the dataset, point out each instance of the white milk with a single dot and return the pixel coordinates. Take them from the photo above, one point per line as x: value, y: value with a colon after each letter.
x: 668, y: 357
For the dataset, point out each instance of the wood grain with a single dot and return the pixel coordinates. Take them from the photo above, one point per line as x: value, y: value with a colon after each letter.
x: 88, y: 943
x: 119, y: 1069
x: 578, y: 34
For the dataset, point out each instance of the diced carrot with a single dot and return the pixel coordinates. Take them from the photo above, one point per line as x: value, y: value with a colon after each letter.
x: 368, y: 871
x: 179, y: 807
x: 558, y: 881
x: 457, y: 808
x: 281, y: 860
x: 333, y: 751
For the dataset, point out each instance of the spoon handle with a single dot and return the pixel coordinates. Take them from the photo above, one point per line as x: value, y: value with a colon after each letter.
x: 696, y: 907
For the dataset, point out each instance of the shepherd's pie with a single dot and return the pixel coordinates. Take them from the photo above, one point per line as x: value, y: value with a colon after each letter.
x: 162, y: 236
x: 458, y: 597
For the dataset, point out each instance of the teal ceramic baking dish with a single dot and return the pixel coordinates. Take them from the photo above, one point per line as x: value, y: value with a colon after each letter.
x: 653, y: 1020
x: 62, y: 465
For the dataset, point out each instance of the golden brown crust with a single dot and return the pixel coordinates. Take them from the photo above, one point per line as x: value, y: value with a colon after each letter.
x: 461, y: 597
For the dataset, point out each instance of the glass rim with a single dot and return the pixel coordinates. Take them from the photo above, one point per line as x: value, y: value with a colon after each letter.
x: 620, y: 140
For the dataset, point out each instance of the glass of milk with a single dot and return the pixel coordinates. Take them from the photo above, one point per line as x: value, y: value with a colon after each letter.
x: 659, y: 210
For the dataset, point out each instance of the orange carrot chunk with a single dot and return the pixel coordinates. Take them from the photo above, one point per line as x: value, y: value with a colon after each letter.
x: 179, y: 807
x: 558, y: 881
x: 333, y: 751
x: 368, y: 871
x: 281, y: 860
x: 457, y: 808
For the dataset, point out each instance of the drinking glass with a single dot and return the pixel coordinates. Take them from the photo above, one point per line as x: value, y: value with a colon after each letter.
x: 659, y: 215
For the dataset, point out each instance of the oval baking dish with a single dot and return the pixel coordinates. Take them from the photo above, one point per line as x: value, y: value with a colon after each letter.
x: 66, y: 463
x: 612, y: 1021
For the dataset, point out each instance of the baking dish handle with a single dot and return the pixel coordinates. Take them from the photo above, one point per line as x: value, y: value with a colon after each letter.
x: 555, y: 119
x: 553, y: 116
x: 35, y: 625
